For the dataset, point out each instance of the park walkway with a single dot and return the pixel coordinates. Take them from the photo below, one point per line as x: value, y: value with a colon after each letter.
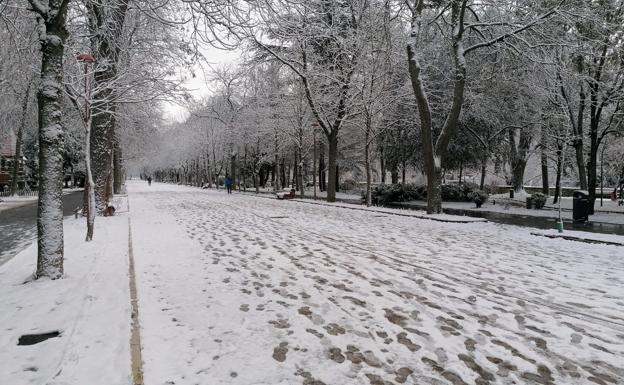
x: 241, y: 290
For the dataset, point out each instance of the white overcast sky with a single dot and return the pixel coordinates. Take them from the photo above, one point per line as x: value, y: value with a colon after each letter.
x: 197, y: 85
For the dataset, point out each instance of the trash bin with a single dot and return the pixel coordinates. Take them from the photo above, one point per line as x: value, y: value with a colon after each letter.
x: 511, y: 193
x: 580, y: 206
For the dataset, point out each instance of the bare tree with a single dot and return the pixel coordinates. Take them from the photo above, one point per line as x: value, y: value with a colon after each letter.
x: 51, y: 19
x: 466, y: 23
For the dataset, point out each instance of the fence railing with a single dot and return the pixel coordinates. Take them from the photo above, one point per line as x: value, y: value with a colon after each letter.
x: 20, y: 193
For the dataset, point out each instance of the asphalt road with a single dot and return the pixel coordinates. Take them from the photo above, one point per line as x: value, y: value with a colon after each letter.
x: 18, y: 226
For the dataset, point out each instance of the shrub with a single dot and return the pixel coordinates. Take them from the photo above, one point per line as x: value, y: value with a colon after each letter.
x: 479, y: 197
x: 388, y: 193
x: 539, y: 200
x: 459, y: 192
x: 348, y: 185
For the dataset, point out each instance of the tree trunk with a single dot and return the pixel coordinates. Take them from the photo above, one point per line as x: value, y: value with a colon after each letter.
x: 559, y: 172
x: 433, y: 156
x: 117, y: 169
x: 51, y: 131
x: 89, y: 190
x: 483, y: 171
x: 461, y: 171
x: 18, y: 141
x: 276, y: 178
x: 580, y: 162
x: 332, y: 138
x: 295, y: 180
x: 321, y: 171
x: 367, y: 164
x: 382, y: 164
x: 545, y: 184
x: 233, y: 170
x: 314, y: 166
x: 519, y: 156
x: 403, y: 169
x: 394, y: 174
x: 592, y: 178
x: 106, y: 21
x: 300, y: 174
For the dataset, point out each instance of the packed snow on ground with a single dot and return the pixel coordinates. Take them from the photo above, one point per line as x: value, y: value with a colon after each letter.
x: 607, y: 214
x: 234, y: 289
x: 90, y: 307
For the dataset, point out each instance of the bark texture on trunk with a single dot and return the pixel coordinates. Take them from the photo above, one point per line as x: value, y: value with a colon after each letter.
x: 331, y: 166
x: 559, y: 172
x: 544, y: 161
x: 519, y: 156
x: 106, y: 21
x: 117, y: 169
x: 433, y: 155
x: 51, y: 17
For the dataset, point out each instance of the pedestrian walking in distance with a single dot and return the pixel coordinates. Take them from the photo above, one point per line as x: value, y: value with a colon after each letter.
x: 149, y: 180
x: 228, y: 184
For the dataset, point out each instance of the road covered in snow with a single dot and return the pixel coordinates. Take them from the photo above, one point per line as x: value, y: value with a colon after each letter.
x: 237, y: 289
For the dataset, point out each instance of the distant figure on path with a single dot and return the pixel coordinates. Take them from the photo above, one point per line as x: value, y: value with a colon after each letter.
x: 228, y: 184
x: 149, y: 180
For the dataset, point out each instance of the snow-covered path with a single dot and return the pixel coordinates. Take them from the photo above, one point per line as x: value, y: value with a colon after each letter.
x: 245, y: 290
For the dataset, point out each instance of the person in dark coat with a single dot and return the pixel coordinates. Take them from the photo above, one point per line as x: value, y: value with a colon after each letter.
x: 149, y: 180
x: 228, y: 184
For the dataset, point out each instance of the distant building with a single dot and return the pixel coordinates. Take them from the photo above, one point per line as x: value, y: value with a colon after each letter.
x: 7, y: 159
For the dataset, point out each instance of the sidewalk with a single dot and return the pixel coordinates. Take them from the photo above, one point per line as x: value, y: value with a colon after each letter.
x: 89, y: 306
x: 239, y: 290
x: 504, y: 206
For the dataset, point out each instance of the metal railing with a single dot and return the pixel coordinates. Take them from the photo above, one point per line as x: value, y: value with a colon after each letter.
x: 20, y: 193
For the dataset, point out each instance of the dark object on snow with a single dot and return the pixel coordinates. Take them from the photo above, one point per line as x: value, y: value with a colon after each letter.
x: 149, y: 180
x: 32, y: 339
x: 110, y: 210
x: 580, y: 206
x: 529, y: 202
x: 511, y: 193
x: 539, y: 200
x: 286, y: 194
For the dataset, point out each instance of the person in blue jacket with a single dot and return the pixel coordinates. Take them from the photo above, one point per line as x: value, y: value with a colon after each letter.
x: 228, y: 184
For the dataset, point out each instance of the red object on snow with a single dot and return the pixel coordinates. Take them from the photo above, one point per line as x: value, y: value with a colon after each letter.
x: 86, y: 58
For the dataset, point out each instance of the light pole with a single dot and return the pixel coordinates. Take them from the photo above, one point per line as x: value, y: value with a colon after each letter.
x: 604, y: 146
x: 86, y: 59
x: 560, y: 223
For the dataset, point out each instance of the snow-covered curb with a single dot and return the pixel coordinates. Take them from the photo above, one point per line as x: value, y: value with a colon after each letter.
x: 405, y: 213
x: 90, y: 306
x: 580, y: 236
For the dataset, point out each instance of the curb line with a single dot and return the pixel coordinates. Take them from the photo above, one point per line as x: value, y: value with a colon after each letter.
x: 576, y: 239
x: 136, y: 361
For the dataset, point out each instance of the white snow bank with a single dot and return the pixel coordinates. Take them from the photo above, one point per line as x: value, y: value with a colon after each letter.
x: 401, y: 212
x: 90, y: 306
x: 583, y: 236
